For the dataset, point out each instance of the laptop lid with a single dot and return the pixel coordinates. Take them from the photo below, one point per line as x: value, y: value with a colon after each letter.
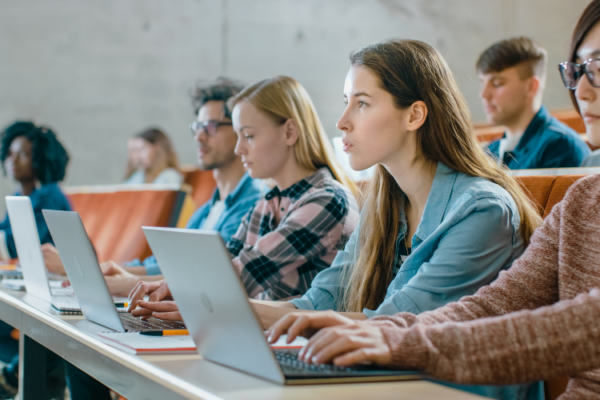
x: 212, y: 300
x: 27, y: 241
x: 81, y: 264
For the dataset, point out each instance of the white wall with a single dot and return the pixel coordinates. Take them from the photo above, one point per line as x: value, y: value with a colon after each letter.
x: 101, y: 70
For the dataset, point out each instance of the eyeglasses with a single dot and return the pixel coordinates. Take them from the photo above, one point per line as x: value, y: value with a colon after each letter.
x: 571, y: 73
x: 210, y: 127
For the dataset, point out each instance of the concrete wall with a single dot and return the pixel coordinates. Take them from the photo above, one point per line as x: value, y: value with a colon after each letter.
x: 99, y: 71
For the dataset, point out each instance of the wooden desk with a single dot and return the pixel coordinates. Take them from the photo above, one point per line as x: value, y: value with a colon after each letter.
x: 164, y: 376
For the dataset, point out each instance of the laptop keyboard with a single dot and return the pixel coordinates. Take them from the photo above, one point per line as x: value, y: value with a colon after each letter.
x: 290, y: 365
x: 133, y: 324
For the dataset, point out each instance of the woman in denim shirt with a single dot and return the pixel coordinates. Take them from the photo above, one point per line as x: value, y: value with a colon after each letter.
x: 439, y: 220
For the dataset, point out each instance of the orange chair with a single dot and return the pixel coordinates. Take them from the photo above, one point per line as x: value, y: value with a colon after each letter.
x: 113, y: 216
x: 202, y: 182
x: 538, y: 188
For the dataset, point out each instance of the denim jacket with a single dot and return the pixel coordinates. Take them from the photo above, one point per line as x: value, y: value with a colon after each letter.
x: 469, y: 232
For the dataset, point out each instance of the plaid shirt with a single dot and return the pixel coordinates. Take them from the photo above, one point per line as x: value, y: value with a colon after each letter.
x: 292, y: 235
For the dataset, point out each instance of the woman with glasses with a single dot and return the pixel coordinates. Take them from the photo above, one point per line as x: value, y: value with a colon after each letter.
x: 152, y: 159
x: 538, y: 320
x: 585, y: 62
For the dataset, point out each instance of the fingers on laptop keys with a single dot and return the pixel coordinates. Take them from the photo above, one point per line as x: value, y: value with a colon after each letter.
x: 166, y: 310
x: 140, y: 290
x: 305, y: 324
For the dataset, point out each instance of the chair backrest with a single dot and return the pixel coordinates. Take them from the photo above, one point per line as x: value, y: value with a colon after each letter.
x: 113, y: 216
x: 202, y: 182
x: 538, y: 189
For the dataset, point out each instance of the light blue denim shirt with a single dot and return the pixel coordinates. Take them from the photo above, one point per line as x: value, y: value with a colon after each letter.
x: 247, y: 192
x: 469, y: 231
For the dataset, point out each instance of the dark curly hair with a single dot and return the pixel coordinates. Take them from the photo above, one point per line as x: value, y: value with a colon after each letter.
x: 222, y: 90
x: 49, y: 158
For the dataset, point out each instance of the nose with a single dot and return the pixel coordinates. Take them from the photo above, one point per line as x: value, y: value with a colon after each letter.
x: 485, y: 92
x: 199, y: 137
x: 239, y: 148
x: 344, y: 123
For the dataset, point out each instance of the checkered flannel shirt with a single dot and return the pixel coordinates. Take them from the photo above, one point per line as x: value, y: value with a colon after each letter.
x: 292, y: 235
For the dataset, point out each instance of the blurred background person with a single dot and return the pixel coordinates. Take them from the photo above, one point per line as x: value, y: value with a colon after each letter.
x: 152, y: 159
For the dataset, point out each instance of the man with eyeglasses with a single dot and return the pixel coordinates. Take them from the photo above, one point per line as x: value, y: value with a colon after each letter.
x: 235, y: 194
x: 513, y: 74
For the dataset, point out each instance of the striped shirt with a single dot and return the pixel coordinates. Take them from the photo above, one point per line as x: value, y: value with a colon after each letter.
x: 289, y: 236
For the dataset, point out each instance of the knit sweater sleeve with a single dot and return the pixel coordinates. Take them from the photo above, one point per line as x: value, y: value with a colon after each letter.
x: 531, y: 282
x: 523, y: 346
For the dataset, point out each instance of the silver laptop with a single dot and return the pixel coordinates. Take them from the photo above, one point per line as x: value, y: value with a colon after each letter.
x: 80, y: 261
x: 35, y: 276
x: 215, y: 308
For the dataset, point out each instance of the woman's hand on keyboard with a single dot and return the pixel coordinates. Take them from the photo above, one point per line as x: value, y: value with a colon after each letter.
x: 156, y: 291
x: 305, y: 324
x: 346, y: 345
x: 162, y: 310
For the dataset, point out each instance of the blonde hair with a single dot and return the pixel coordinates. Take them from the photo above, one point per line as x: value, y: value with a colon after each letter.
x: 282, y: 98
x: 414, y: 71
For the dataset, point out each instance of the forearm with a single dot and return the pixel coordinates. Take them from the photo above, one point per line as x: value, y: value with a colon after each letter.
x: 138, y: 270
x: 518, y: 347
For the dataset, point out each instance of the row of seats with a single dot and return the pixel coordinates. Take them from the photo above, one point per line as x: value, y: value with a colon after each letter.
x: 113, y: 215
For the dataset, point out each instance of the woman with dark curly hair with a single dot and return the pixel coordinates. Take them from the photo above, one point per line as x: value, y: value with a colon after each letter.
x: 32, y: 156
x: 37, y: 161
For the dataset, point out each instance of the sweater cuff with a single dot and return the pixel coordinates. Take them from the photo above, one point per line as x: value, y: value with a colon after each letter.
x: 407, y: 346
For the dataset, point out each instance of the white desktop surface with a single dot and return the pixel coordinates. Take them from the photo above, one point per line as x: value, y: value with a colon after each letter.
x: 178, y: 376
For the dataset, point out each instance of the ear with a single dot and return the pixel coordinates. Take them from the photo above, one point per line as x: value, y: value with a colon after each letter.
x: 291, y: 132
x: 417, y: 115
x: 534, y: 85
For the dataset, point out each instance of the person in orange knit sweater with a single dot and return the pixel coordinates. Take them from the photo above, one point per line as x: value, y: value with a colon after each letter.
x: 538, y: 320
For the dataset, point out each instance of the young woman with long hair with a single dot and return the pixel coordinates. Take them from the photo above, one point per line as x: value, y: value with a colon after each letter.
x: 538, y: 320
x: 440, y: 218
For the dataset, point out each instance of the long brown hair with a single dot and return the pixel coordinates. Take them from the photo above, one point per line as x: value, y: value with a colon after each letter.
x: 589, y: 18
x: 414, y: 71
x: 282, y: 98
x: 157, y: 137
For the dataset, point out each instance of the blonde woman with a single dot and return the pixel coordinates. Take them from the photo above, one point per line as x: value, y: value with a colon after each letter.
x: 297, y: 229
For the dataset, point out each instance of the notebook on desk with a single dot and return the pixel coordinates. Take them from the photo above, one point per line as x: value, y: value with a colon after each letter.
x: 215, y: 308
x: 33, y: 269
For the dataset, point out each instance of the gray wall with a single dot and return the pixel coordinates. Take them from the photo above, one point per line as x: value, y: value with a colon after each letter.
x: 99, y: 71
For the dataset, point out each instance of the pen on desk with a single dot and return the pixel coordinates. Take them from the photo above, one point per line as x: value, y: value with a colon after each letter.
x: 166, y: 332
x: 121, y: 305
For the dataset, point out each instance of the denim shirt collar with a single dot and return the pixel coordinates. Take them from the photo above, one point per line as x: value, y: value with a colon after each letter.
x: 239, y: 191
x: 435, y: 208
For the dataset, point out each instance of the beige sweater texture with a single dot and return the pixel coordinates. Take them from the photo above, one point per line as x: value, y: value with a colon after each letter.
x: 541, y: 318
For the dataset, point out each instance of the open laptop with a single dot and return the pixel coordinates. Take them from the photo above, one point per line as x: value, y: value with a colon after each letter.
x: 80, y: 261
x: 215, y: 307
x: 35, y: 276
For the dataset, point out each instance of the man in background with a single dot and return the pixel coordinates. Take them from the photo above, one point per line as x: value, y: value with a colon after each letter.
x: 513, y: 75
